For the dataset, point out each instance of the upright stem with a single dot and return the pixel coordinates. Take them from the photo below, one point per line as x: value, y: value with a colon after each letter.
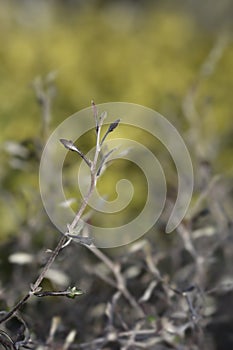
x: 59, y: 247
x: 120, y: 282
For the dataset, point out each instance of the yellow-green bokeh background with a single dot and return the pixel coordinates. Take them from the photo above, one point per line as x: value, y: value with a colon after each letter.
x: 113, y: 51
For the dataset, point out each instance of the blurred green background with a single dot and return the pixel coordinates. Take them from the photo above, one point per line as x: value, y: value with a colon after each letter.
x: 161, y: 54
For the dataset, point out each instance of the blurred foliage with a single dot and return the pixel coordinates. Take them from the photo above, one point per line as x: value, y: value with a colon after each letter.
x: 108, y: 51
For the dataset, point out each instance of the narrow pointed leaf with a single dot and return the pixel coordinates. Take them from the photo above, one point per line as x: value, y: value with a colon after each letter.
x: 113, y: 125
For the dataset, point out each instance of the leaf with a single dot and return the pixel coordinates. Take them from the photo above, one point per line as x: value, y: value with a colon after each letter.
x: 113, y: 125
x: 81, y: 240
x: 110, y: 129
x: 103, y: 161
x: 73, y: 292
x: 69, y: 145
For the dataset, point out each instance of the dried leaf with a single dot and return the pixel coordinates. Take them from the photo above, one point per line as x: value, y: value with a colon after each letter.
x: 113, y: 125
x: 69, y: 145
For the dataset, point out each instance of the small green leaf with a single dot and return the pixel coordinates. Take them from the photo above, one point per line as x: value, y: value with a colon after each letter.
x: 73, y: 292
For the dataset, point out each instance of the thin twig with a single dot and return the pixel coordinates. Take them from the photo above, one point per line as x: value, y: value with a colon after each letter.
x: 62, y: 241
x: 122, y: 335
x: 120, y: 281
